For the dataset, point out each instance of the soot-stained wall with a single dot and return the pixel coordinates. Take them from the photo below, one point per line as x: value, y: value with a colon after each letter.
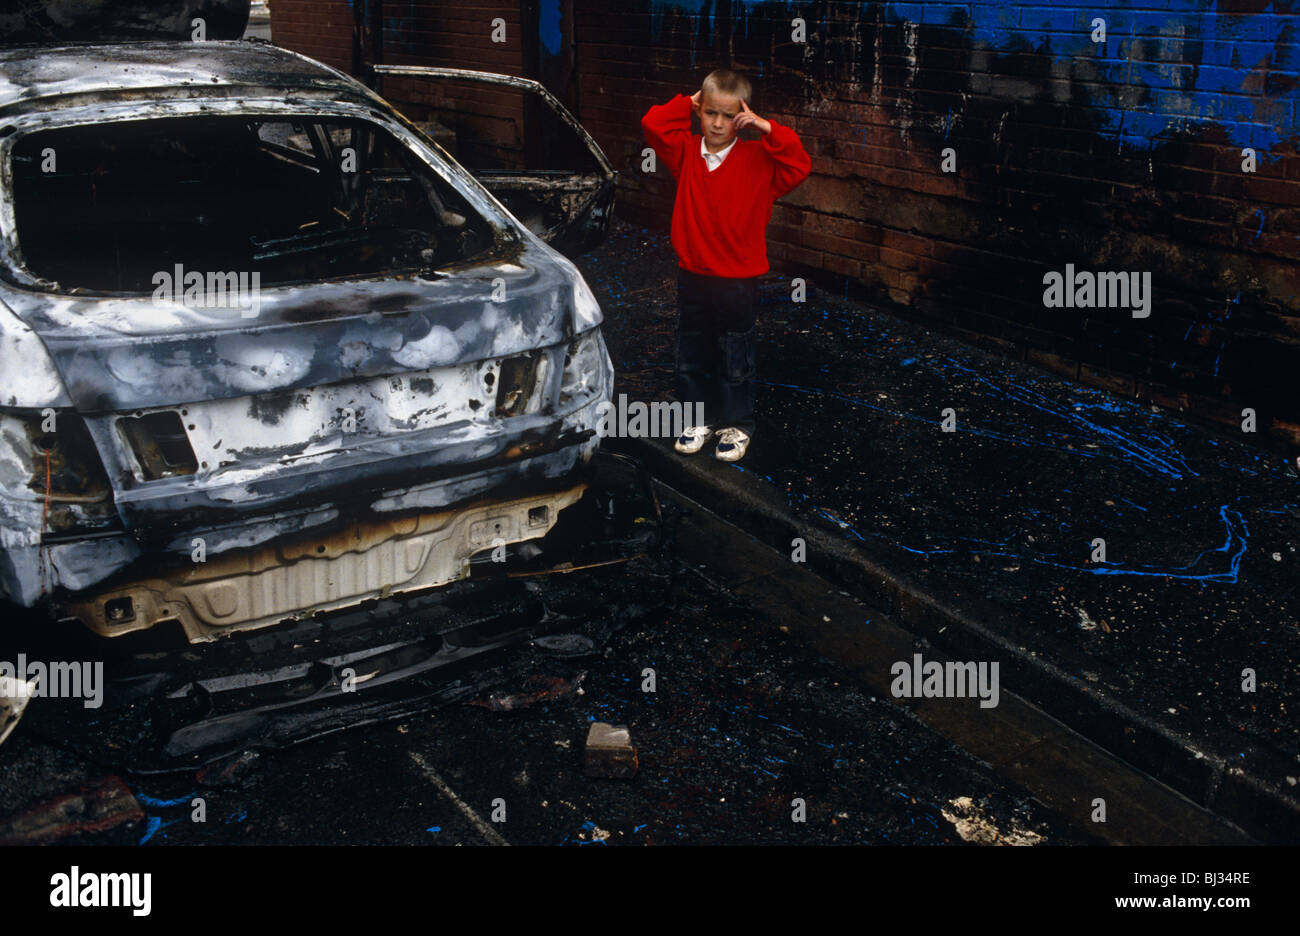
x: 1115, y: 151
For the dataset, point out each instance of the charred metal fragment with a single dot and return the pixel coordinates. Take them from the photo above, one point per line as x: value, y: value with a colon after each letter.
x: 14, y: 696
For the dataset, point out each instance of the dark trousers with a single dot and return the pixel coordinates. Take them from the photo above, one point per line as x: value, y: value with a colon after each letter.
x: 716, y: 347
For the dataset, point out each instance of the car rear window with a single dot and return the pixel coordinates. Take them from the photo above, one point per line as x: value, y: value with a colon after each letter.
x: 110, y: 206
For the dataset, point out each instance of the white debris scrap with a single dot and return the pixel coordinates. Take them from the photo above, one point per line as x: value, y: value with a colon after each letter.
x: 976, y: 827
x: 14, y: 696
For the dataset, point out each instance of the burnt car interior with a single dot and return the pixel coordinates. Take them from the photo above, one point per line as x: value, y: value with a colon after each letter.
x: 105, y: 207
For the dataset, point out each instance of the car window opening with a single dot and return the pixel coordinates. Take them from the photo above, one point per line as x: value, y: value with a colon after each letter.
x: 110, y: 206
x: 542, y: 169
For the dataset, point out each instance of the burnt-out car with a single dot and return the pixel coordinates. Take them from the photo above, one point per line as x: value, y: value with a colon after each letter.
x: 266, y: 347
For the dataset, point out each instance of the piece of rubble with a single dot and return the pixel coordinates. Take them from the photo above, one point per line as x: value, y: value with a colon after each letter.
x: 976, y: 826
x: 610, y: 752
x: 14, y: 696
x: 97, y: 806
x: 229, y: 771
x: 536, y: 688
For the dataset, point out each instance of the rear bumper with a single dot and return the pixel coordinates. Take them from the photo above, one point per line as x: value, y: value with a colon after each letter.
x: 324, y: 571
x: 361, y: 485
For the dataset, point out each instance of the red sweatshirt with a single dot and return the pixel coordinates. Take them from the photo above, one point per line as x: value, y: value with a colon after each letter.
x: 720, y: 217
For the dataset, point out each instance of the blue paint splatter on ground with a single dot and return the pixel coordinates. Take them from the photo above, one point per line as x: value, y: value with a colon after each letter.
x: 158, y: 803
x: 152, y: 825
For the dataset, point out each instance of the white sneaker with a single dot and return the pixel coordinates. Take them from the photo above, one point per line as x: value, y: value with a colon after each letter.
x: 731, y: 445
x: 693, y: 439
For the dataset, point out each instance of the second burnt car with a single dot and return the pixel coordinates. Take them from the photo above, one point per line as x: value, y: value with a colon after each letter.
x: 267, y: 348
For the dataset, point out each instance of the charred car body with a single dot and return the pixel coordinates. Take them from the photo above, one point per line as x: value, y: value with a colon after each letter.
x: 266, y: 347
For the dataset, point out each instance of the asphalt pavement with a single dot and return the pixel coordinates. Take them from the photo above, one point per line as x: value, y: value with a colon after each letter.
x: 744, y: 735
x: 1176, y: 648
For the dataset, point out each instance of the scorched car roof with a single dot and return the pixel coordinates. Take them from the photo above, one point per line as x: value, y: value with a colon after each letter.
x: 45, y: 77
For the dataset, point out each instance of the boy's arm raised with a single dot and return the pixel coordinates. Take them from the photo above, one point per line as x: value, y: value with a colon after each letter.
x: 667, y: 129
x: 792, y: 162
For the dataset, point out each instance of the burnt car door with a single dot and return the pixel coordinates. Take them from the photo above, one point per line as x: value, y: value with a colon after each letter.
x: 519, y: 141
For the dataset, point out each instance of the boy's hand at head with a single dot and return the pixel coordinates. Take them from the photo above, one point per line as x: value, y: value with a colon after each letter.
x: 747, y: 118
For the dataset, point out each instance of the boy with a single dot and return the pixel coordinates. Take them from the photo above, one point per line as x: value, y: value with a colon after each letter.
x: 725, y: 191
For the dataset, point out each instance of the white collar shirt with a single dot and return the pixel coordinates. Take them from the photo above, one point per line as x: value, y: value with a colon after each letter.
x: 714, y: 160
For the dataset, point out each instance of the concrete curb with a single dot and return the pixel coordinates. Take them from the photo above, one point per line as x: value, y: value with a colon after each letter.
x: 1239, y: 795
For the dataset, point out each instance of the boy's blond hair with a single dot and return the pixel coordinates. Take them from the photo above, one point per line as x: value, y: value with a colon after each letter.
x: 726, y: 81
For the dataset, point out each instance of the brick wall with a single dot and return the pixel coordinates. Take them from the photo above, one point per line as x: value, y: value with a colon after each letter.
x: 319, y: 28
x: 1119, y: 155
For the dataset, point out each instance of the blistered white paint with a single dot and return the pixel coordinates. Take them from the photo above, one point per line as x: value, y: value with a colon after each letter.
x: 231, y: 493
x: 237, y: 476
x: 245, y: 439
x: 378, y: 336
x: 587, y: 371
x: 22, y: 537
x: 247, y: 364
x: 17, y: 459
x: 354, y: 354
x: 29, y: 376
x: 173, y: 375
x: 468, y: 332
x: 586, y: 310
x: 509, y: 336
x: 125, y: 316
x: 438, y: 345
